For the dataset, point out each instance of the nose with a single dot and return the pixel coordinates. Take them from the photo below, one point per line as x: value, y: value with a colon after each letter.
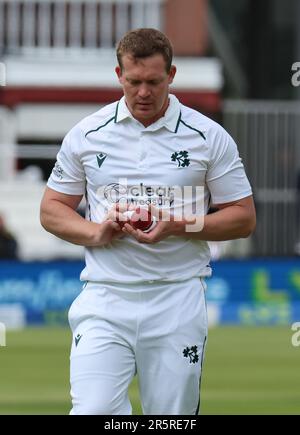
x: 144, y: 91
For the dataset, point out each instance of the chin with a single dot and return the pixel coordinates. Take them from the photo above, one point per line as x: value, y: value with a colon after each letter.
x: 145, y: 113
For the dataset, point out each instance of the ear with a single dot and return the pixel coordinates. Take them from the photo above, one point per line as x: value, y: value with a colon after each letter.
x: 119, y: 73
x: 172, y: 74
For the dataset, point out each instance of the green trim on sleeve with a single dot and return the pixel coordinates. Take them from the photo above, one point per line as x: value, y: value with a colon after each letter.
x: 101, y: 126
x: 192, y: 128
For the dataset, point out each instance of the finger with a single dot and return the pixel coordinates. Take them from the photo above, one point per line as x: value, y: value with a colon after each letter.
x: 137, y: 234
x: 122, y: 218
x: 129, y: 229
x: 144, y: 237
x: 112, y: 225
x: 110, y: 215
x: 141, y: 237
x: 117, y: 217
x: 122, y: 206
x: 115, y: 210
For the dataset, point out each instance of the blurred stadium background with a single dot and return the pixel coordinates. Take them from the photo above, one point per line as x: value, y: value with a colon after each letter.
x: 235, y: 63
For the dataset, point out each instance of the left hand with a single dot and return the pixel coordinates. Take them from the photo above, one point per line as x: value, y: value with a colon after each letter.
x: 166, y: 226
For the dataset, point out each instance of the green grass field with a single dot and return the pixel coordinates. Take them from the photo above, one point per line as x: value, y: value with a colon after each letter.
x: 246, y: 371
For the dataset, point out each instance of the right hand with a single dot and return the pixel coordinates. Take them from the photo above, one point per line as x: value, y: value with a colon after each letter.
x: 106, y: 232
x: 109, y: 229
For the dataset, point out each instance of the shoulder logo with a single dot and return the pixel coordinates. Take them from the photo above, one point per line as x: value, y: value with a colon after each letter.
x: 100, y: 159
x: 181, y: 158
x: 77, y: 339
x: 58, y: 171
x: 192, y: 354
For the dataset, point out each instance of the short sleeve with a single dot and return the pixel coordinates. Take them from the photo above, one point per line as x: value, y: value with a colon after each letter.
x: 226, y: 178
x: 68, y: 174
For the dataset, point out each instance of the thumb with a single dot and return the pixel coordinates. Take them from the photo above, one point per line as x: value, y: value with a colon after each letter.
x: 110, y: 224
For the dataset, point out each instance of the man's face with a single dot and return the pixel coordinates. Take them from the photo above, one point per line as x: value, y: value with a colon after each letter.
x: 145, y: 84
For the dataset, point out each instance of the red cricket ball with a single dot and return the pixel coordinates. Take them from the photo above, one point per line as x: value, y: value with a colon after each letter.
x: 140, y: 219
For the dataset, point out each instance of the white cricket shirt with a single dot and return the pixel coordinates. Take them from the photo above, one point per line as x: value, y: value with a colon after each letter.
x: 110, y: 156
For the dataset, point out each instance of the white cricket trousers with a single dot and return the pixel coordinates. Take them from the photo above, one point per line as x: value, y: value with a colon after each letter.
x: 153, y: 329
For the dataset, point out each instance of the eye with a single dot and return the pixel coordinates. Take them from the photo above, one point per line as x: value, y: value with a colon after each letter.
x: 134, y: 82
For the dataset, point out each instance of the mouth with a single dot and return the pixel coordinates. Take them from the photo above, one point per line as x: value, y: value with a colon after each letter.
x: 144, y: 105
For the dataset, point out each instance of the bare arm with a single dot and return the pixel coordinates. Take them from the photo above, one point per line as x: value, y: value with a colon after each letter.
x: 58, y: 216
x: 233, y: 220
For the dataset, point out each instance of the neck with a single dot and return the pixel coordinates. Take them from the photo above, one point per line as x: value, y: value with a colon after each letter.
x: 159, y: 115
